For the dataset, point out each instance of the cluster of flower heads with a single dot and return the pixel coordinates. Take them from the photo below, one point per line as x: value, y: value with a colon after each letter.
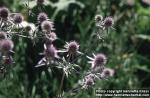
x: 98, y: 71
x: 98, y: 62
x: 103, y: 24
x: 6, y: 44
x: 71, y: 49
x: 15, y: 24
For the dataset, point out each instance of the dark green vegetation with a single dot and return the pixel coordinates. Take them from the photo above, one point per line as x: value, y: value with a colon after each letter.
x: 127, y: 48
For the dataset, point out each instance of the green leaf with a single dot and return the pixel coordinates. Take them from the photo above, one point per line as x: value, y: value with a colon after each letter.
x: 142, y: 36
x: 144, y: 68
x: 33, y: 91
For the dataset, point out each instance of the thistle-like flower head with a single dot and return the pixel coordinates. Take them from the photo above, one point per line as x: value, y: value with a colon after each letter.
x: 98, y: 60
x: 18, y: 18
x: 6, y: 45
x: 42, y: 17
x: 52, y: 36
x: 50, y: 51
x: 107, y: 72
x: 47, y: 26
x: 108, y: 22
x: 4, y: 13
x: 72, y: 47
x: 88, y: 81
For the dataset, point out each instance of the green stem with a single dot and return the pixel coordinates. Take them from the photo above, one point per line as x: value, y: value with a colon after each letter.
x: 62, y: 82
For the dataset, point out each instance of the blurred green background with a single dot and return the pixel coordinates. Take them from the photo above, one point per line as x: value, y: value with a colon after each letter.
x: 127, y: 47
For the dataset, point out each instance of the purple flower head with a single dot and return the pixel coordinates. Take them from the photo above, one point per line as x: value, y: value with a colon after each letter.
x: 50, y: 51
x: 88, y: 81
x: 52, y: 36
x: 107, y: 72
x: 99, y: 60
x: 47, y: 26
x: 40, y: 2
x: 72, y: 47
x: 4, y: 13
x: 108, y: 22
x: 18, y: 18
x: 98, y: 18
x: 42, y: 17
x: 2, y: 35
x: 6, y: 45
